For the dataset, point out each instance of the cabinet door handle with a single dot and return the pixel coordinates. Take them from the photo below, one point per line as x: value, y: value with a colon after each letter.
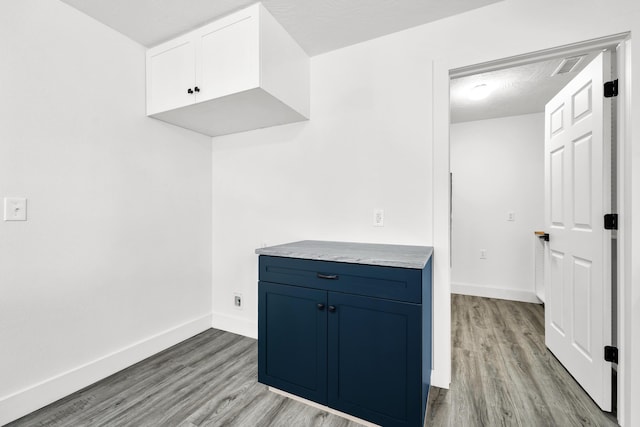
x: 320, y: 306
x: 332, y: 308
x: 327, y: 276
x: 189, y: 90
x: 197, y: 89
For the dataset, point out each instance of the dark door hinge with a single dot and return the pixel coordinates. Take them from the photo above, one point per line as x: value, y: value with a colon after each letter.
x: 611, y: 222
x: 610, y: 354
x: 611, y: 89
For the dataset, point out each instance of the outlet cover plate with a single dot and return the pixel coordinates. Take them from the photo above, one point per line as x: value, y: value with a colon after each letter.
x: 378, y: 217
x: 237, y: 301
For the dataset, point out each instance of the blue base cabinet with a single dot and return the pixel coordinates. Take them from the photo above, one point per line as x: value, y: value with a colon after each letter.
x: 295, y: 359
x: 356, y: 338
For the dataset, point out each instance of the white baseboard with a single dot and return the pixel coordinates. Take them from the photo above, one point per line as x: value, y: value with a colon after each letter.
x: 440, y: 380
x: 494, y: 292
x: 236, y: 325
x: 25, y: 401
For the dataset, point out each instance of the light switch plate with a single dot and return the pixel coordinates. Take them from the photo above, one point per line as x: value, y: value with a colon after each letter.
x: 15, y: 209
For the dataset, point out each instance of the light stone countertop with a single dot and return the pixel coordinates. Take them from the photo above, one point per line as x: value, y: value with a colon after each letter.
x: 354, y: 253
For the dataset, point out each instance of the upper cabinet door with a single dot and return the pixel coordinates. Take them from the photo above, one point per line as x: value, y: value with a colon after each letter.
x: 171, y: 75
x: 228, y: 57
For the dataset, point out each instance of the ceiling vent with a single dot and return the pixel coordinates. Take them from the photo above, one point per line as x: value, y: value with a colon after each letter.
x: 568, y: 65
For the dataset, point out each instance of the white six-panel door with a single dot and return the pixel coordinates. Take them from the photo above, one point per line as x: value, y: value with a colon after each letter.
x: 578, y: 257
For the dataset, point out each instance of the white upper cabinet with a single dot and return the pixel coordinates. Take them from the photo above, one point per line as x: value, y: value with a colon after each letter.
x: 229, y: 57
x: 171, y: 72
x: 238, y: 73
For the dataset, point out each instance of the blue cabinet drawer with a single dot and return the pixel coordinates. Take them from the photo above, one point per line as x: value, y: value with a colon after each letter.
x: 401, y: 284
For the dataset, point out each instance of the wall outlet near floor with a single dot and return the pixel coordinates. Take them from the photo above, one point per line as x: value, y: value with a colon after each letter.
x: 378, y: 217
x: 237, y: 301
x: 483, y: 254
x: 511, y: 216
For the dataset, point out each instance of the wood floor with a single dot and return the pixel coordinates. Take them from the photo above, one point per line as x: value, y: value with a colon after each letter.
x: 502, y: 376
x: 502, y: 373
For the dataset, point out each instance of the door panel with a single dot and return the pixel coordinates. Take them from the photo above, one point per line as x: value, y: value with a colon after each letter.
x: 556, y: 119
x: 229, y: 58
x: 364, y: 334
x: 557, y: 187
x: 581, y: 102
x: 582, y: 191
x: 581, y: 306
x: 577, y: 195
x: 292, y: 354
x: 171, y: 73
x: 556, y: 310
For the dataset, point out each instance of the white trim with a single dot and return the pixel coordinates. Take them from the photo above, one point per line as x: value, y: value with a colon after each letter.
x: 236, y: 325
x: 485, y: 291
x: 441, y: 297
x: 323, y: 408
x: 34, y: 397
x: 439, y: 379
x: 624, y: 200
x: 544, y: 55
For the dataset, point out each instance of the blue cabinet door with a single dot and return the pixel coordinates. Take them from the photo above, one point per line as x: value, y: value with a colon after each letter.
x: 292, y: 340
x: 374, y: 358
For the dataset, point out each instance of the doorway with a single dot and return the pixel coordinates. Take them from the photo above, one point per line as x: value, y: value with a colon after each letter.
x: 496, y: 164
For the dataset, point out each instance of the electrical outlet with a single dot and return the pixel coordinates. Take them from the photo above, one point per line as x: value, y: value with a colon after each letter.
x: 511, y: 216
x: 483, y: 254
x: 378, y: 217
x: 237, y: 301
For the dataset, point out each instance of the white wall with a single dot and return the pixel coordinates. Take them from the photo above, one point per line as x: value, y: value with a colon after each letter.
x: 75, y: 141
x: 498, y: 167
x: 276, y: 182
x: 113, y: 263
x: 364, y: 148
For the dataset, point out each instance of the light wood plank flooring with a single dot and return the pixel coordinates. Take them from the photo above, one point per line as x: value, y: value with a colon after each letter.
x: 208, y: 380
x: 502, y: 373
x: 502, y: 376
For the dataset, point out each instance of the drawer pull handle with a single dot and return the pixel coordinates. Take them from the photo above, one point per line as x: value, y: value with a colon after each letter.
x: 320, y: 306
x: 332, y: 308
x: 328, y: 276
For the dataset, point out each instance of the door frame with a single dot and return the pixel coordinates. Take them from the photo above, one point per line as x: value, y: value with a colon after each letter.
x: 442, y: 189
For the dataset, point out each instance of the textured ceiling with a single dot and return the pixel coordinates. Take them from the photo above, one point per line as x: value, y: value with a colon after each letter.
x: 317, y: 25
x: 514, y: 91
